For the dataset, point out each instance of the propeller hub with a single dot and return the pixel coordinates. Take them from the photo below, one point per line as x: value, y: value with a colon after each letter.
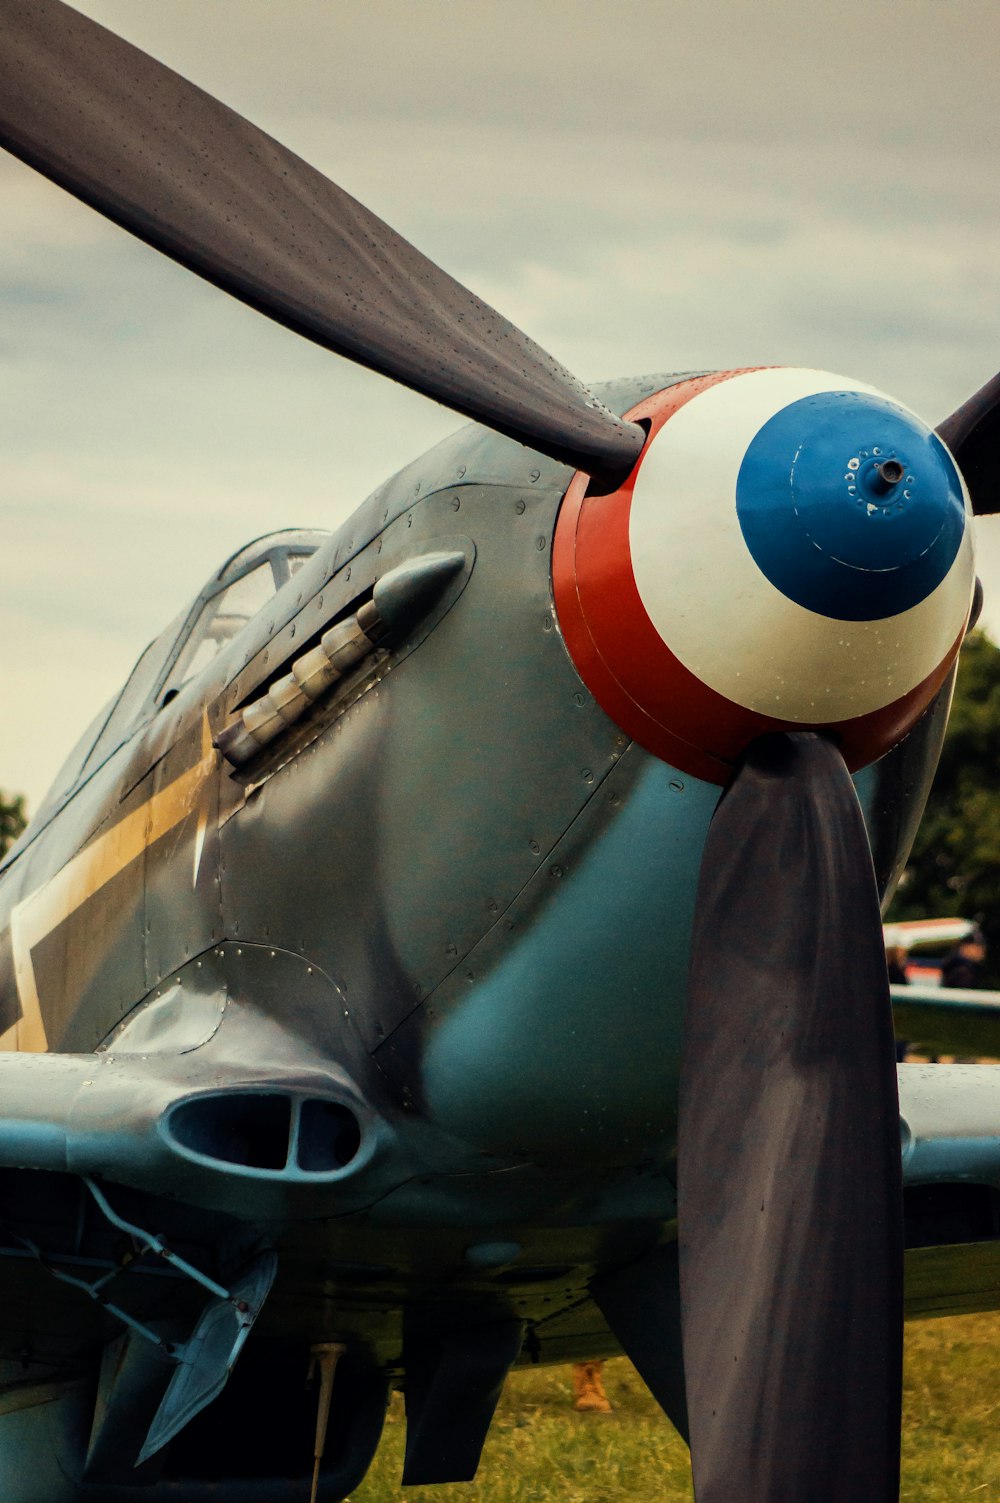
x: 791, y: 551
x: 850, y: 506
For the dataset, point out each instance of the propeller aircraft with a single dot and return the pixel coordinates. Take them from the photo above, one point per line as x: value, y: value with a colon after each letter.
x: 459, y: 943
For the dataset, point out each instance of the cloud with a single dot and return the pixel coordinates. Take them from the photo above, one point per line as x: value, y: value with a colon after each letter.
x: 640, y: 186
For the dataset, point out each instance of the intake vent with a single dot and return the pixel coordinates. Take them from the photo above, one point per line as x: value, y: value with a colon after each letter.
x: 267, y: 1132
x: 329, y: 1136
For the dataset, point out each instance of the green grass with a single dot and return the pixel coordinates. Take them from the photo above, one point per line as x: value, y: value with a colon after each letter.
x: 951, y: 1410
x: 540, y: 1451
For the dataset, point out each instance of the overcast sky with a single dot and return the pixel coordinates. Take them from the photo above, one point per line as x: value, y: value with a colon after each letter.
x: 642, y: 185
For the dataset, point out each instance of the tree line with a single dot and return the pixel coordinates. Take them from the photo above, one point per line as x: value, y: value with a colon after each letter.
x: 12, y: 820
x: 954, y: 868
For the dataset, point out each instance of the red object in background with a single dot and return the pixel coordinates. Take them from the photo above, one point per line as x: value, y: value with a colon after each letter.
x: 924, y: 972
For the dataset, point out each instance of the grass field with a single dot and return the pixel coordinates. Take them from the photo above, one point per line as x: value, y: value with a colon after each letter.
x: 540, y: 1451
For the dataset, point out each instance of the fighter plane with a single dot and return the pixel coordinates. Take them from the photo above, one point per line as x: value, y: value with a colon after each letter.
x: 458, y: 944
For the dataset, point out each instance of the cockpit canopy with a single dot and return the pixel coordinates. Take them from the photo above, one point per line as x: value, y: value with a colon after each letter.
x: 240, y: 589
x: 236, y: 592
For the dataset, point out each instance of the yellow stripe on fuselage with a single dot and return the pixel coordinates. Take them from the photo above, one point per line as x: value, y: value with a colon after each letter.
x: 85, y: 874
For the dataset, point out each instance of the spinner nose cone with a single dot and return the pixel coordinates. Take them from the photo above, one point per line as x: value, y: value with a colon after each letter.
x: 850, y: 506
x: 792, y: 550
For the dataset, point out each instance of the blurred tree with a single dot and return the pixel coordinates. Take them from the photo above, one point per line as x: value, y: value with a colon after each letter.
x: 12, y: 819
x: 954, y: 869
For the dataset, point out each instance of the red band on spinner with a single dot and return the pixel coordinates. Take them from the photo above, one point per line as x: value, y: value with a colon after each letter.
x: 632, y: 673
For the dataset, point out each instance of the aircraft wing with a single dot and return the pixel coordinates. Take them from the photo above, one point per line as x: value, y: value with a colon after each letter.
x: 220, y: 1134
x: 156, y: 1186
x: 950, y: 1132
x: 916, y: 934
x: 948, y: 1020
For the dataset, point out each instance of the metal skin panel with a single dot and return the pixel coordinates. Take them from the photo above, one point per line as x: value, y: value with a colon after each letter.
x: 87, y: 969
x: 361, y: 1275
x: 77, y: 930
x: 642, y: 1304
x: 326, y: 598
x: 395, y: 840
x: 455, y: 1376
x: 183, y: 898
x: 525, y: 1047
x: 392, y: 557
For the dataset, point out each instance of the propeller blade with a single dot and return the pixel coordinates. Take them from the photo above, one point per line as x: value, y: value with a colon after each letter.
x: 789, y: 1178
x: 185, y: 173
x: 972, y: 433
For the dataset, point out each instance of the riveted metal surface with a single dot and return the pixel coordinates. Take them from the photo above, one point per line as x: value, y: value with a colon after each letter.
x: 356, y: 1276
x: 472, y: 456
x: 351, y: 583
x: 183, y: 897
x: 54, y: 982
x: 87, y: 968
x: 296, y: 997
x: 396, y: 545
x: 525, y: 1047
x: 394, y: 840
x: 85, y: 946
